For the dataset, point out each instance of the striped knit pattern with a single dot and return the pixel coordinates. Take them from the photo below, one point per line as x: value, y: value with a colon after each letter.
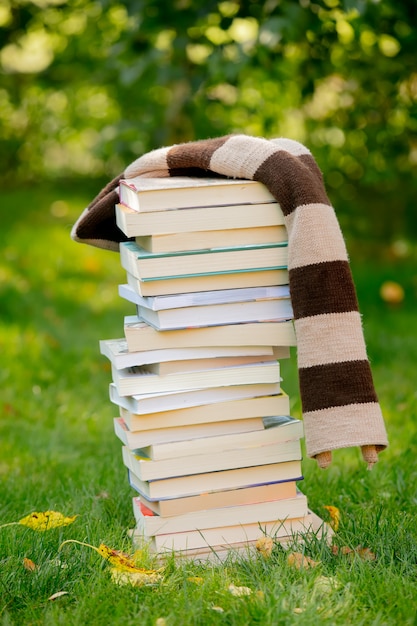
x: 340, y: 406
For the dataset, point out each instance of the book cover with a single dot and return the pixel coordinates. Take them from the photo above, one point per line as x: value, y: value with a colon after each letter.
x: 160, y: 194
x: 146, y: 469
x: 141, y: 336
x: 156, y: 266
x: 136, y: 380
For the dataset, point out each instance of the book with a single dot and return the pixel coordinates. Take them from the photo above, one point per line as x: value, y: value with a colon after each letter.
x: 225, y: 537
x: 217, y: 499
x: 148, y: 266
x: 156, y: 402
x: 215, y: 314
x: 117, y: 352
x: 195, y: 484
x: 133, y: 223
x: 285, y: 533
x: 253, y: 513
x: 176, y: 241
x: 136, y: 380
x: 145, y: 438
x: 277, y: 429
x: 210, y: 282
x: 179, y: 192
x: 149, y: 470
x: 202, y: 298
x: 191, y: 365
x: 141, y: 336
x: 240, y: 409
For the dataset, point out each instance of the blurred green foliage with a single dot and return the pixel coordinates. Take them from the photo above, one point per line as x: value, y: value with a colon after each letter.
x: 89, y: 85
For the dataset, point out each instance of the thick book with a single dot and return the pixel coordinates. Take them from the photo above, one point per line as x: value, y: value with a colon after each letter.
x: 194, y: 484
x: 147, y: 403
x: 277, y: 429
x: 175, y: 242
x: 216, y: 314
x: 141, y: 336
x: 136, y: 380
x: 224, y: 536
x: 253, y: 513
x: 133, y: 223
x: 209, y: 282
x: 146, y: 438
x: 146, y: 469
x: 203, y: 298
x: 217, y: 499
x: 161, y: 194
x: 117, y: 352
x: 156, y: 266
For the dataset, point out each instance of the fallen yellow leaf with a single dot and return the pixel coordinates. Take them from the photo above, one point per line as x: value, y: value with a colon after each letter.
x: 299, y: 561
x: 134, y: 578
x: 264, y: 545
x: 195, y: 579
x: 334, y: 516
x: 119, y: 560
x: 29, y: 565
x: 43, y: 521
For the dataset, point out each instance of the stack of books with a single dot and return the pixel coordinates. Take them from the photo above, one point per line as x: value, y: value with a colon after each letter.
x: 208, y: 441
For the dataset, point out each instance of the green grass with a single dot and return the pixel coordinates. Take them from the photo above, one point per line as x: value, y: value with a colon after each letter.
x: 58, y: 451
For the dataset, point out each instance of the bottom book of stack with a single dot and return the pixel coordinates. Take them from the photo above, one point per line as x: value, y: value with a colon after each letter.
x: 203, y: 497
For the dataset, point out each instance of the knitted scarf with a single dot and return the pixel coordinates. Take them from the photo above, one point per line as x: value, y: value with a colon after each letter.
x: 339, y: 403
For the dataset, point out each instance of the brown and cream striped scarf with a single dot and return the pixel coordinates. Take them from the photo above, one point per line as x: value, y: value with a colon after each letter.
x: 339, y: 403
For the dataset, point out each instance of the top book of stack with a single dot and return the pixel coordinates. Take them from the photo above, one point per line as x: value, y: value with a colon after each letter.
x: 179, y: 192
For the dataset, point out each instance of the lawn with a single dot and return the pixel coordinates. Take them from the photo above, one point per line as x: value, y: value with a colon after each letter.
x: 58, y: 452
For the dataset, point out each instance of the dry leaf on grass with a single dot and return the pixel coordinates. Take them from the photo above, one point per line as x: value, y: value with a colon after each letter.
x: 29, y: 565
x: 264, y: 546
x: 197, y: 580
x: 134, y: 578
x: 43, y: 521
x: 300, y: 561
x: 365, y: 554
x: 334, y: 516
x: 122, y: 563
